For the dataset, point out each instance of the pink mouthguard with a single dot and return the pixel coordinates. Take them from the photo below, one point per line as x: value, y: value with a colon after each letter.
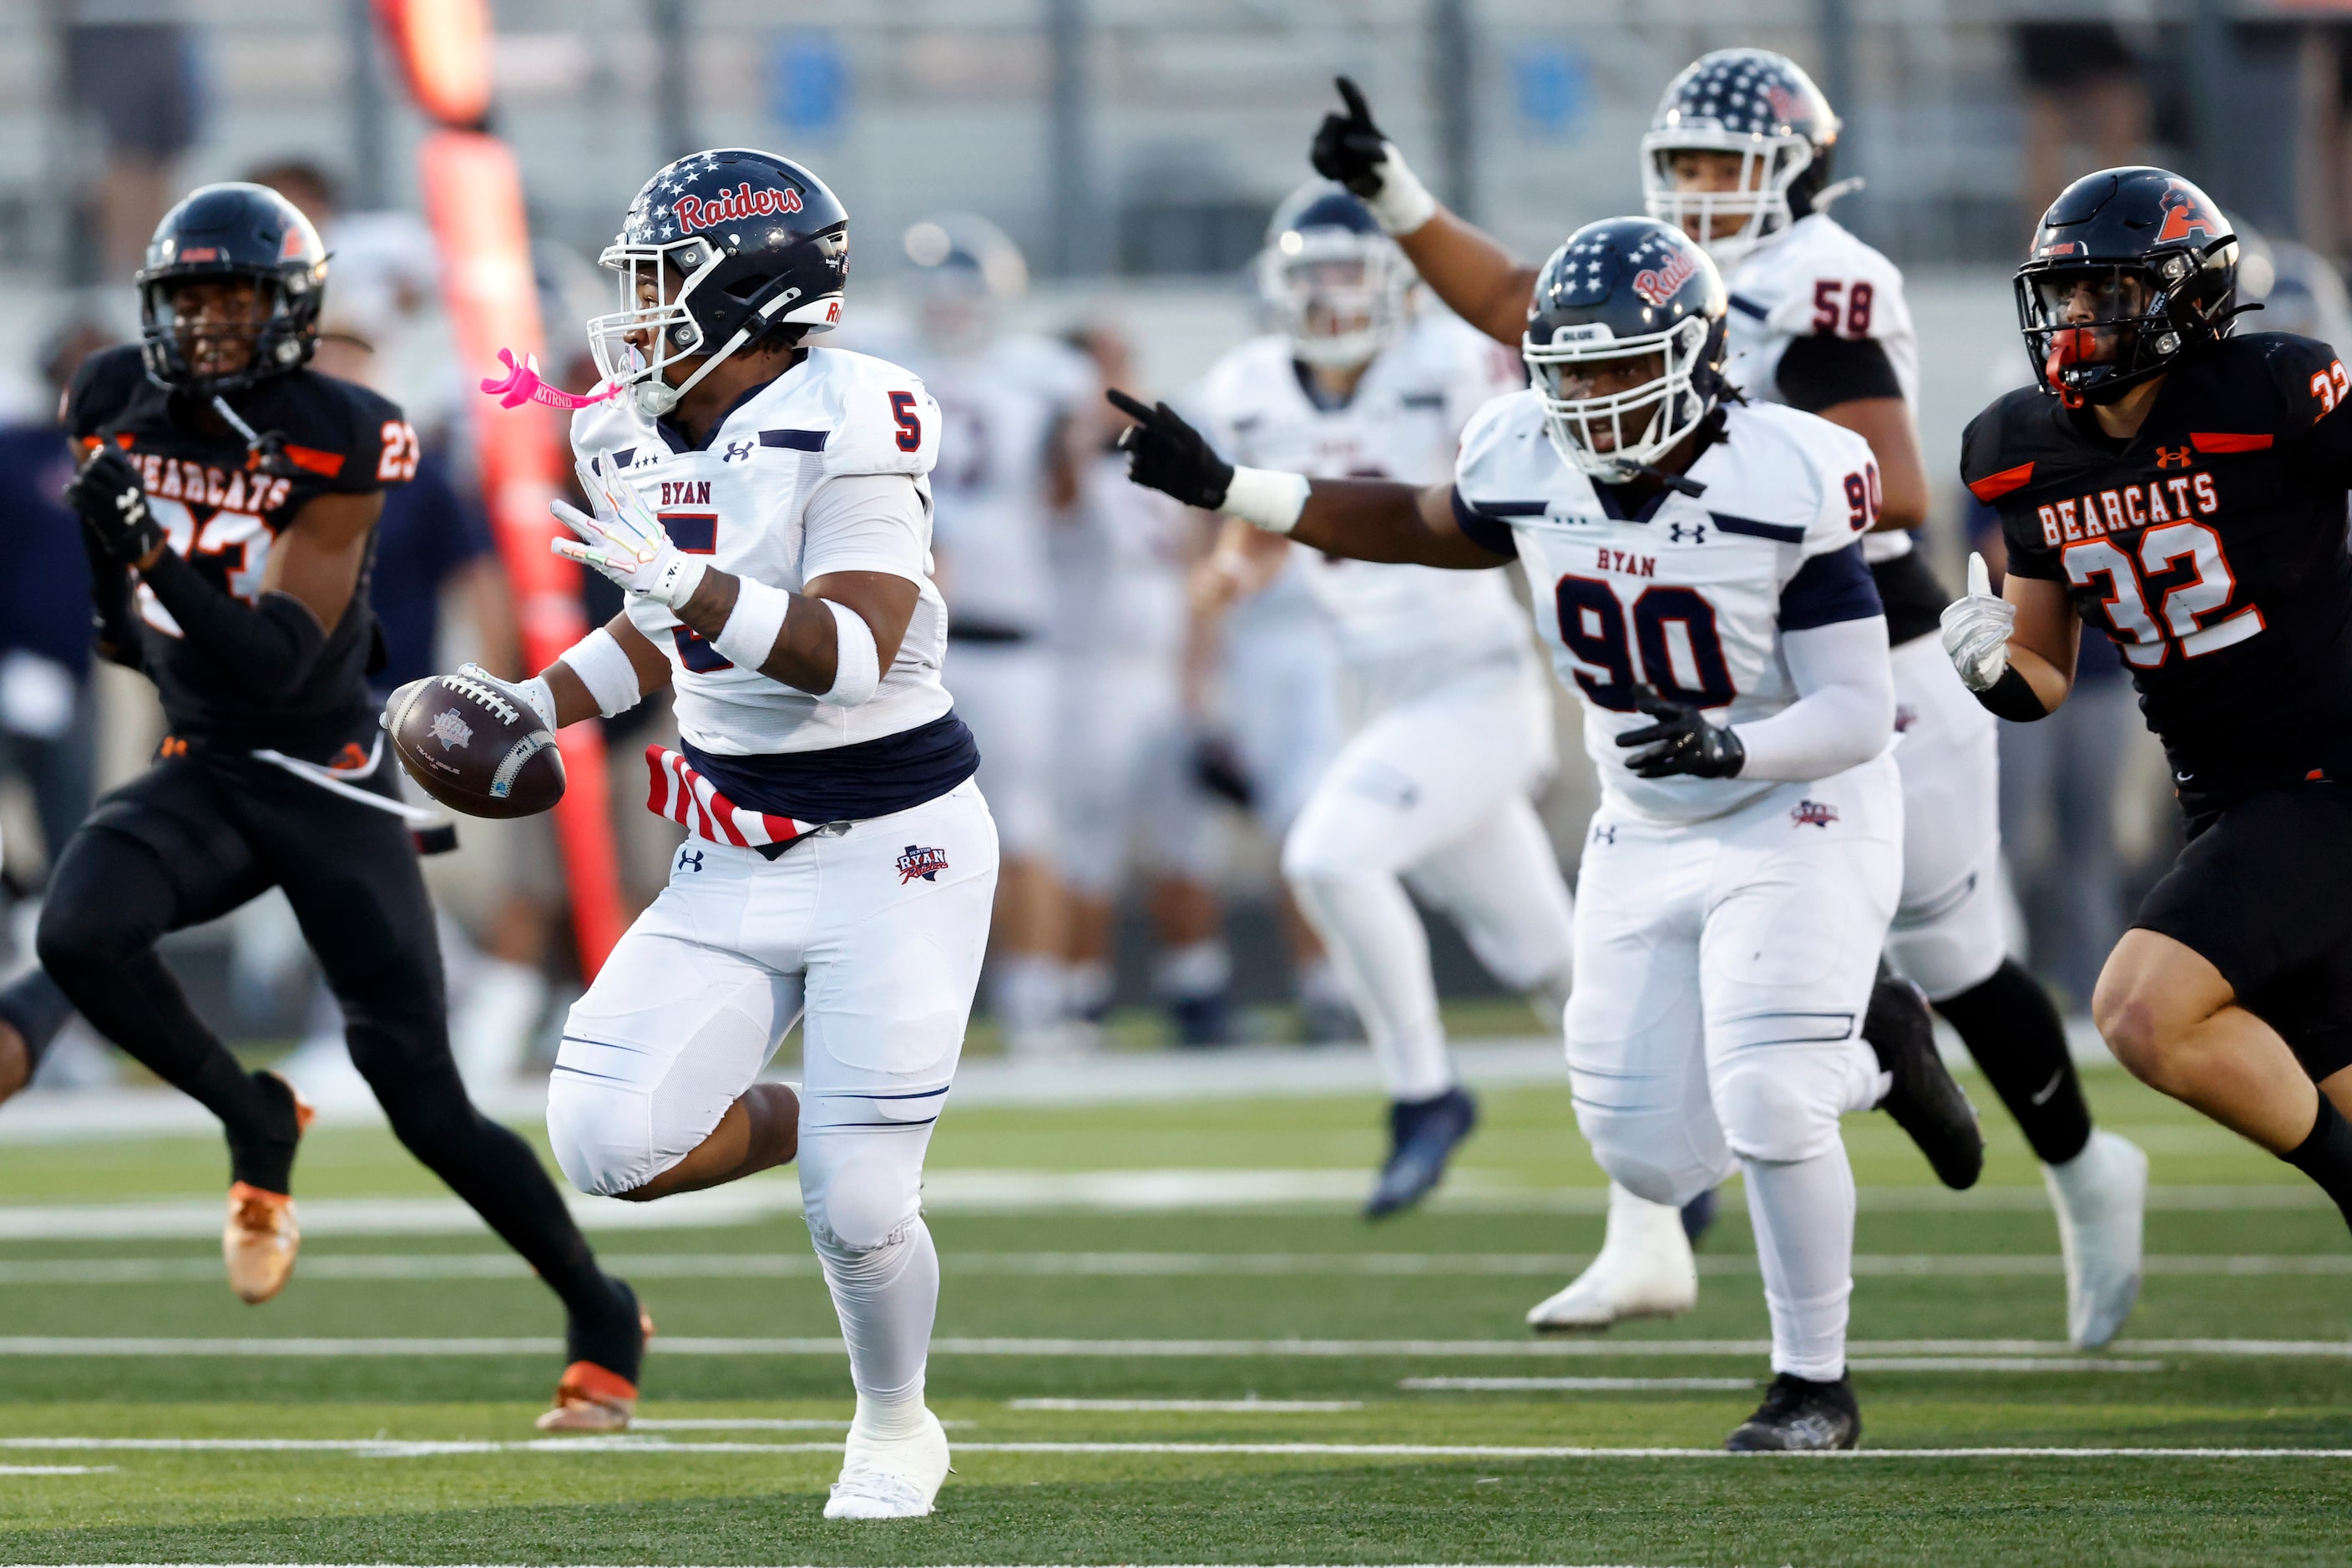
x: 522, y: 384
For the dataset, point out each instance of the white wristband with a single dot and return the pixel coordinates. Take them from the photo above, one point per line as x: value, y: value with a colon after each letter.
x: 753, y: 626
x: 1403, y: 203
x: 1264, y: 498
x: 679, y: 580
x: 857, y: 661
x: 604, y: 668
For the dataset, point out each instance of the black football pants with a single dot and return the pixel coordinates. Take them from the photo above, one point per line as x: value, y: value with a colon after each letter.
x: 195, y: 837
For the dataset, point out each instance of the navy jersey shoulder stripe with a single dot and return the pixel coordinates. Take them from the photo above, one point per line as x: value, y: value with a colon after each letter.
x: 1481, y: 522
x: 1747, y: 307
x: 798, y: 440
x: 1827, y: 589
x: 1786, y: 534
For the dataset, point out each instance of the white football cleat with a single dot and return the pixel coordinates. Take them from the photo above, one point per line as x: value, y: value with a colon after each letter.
x: 1644, y: 1270
x: 2102, y: 1200
x: 890, y: 1479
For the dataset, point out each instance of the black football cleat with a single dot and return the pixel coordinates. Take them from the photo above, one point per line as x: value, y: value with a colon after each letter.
x: 1924, y: 1099
x: 1800, y: 1416
x: 1423, y: 1136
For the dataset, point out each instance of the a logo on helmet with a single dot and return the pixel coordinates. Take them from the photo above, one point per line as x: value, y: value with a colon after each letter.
x: 1657, y: 284
x: 2185, y: 213
x: 735, y: 206
x: 1786, y: 105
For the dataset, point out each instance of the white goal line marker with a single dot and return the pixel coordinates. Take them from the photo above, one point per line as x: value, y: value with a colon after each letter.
x: 385, y: 1448
x: 2041, y: 1354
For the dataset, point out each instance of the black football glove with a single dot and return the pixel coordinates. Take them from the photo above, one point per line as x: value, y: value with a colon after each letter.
x: 113, y: 505
x: 1349, y: 147
x: 1165, y: 454
x: 1681, y: 742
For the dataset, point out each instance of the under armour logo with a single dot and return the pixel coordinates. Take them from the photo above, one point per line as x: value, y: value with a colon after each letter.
x: 689, y: 860
x: 1604, y: 833
x: 1697, y: 532
x: 737, y: 451
x: 2172, y: 456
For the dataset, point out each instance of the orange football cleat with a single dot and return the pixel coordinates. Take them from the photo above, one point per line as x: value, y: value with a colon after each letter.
x: 260, y: 1239
x: 591, y: 1398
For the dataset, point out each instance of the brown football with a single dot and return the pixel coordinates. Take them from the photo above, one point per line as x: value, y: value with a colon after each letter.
x: 473, y: 748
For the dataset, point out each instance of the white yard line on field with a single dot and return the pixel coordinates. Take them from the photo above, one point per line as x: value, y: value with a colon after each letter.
x: 372, y: 1267
x: 1938, y: 1352
x: 1195, y: 1407
x: 58, y: 1470
x: 380, y: 1447
x: 1568, y: 1384
x: 764, y: 1198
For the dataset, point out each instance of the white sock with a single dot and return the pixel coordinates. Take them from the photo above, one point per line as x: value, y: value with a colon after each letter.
x: 886, y: 1300
x: 1029, y: 991
x: 1377, y: 940
x: 890, y: 1420
x: 1196, y: 970
x: 1802, y: 1212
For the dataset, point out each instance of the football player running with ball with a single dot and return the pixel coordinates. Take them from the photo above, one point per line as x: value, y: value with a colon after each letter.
x: 229, y: 496
x: 2182, y: 490
x: 1701, y: 585
x: 1739, y: 156
x: 1453, y: 715
x: 766, y: 506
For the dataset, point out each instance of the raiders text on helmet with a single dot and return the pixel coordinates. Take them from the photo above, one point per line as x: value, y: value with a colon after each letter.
x: 1334, y: 282
x: 241, y: 231
x: 1761, y: 106
x: 716, y: 249
x: 1619, y: 292
x: 2130, y: 269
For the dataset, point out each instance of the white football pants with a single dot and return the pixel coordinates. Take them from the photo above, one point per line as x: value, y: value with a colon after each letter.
x: 1434, y: 792
x: 1947, y: 935
x: 875, y: 939
x: 1722, y: 970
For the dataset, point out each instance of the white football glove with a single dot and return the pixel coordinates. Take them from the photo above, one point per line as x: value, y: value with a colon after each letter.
x: 626, y: 541
x: 1976, y: 631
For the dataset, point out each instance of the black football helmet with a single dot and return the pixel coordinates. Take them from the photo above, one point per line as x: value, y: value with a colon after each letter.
x: 1331, y: 278
x: 716, y: 249
x: 2130, y: 270
x: 1761, y: 106
x: 1624, y: 288
x: 233, y: 230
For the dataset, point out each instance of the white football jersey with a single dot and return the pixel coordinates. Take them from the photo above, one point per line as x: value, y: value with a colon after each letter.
x: 1002, y: 406
x: 1402, y: 424
x: 1686, y: 597
x: 740, y: 500
x: 1816, y: 277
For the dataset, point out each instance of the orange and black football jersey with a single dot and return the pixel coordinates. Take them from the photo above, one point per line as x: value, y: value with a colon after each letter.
x: 224, y: 516
x: 2210, y: 548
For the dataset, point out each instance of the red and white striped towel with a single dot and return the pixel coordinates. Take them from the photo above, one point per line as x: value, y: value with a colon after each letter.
x: 684, y: 795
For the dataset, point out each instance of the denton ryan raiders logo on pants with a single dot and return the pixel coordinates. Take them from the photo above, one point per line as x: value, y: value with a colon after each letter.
x: 1812, y: 813
x: 922, y: 861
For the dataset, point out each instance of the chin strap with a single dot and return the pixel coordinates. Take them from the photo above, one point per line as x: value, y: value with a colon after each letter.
x: 668, y: 397
x: 263, y: 454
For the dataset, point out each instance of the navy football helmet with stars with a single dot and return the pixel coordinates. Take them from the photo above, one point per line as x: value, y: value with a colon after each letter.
x: 716, y: 249
x: 1624, y: 296
x: 1761, y: 106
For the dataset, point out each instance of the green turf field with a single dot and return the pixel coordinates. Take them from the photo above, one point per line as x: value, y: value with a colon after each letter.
x: 1359, y: 1394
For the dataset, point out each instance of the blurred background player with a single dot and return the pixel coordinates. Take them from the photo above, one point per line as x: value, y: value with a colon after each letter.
x: 230, y: 496
x: 1450, y: 717
x: 1739, y: 157
x: 1122, y: 734
x: 1010, y: 454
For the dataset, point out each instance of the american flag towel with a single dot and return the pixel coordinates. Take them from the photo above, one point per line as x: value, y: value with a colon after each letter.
x: 684, y: 795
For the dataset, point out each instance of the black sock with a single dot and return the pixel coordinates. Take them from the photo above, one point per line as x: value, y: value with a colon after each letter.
x: 2015, y: 1033
x: 37, y: 1010
x: 2326, y: 1155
